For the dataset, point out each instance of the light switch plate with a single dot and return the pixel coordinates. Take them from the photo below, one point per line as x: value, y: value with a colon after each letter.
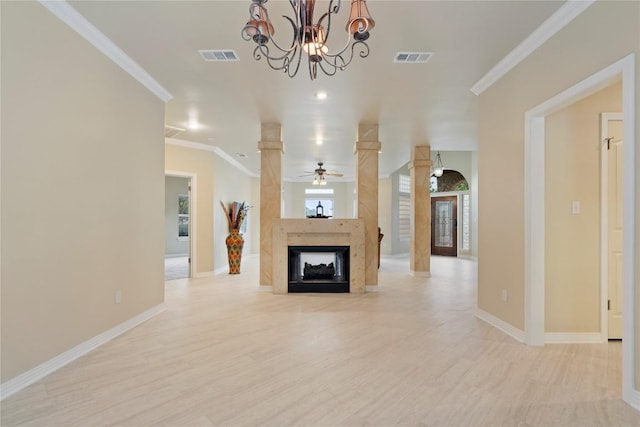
x: 575, y: 207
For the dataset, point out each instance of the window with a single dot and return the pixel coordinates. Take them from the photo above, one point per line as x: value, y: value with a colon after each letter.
x: 433, y: 184
x: 404, y: 184
x: 466, y: 214
x: 404, y: 207
x: 320, y: 195
x: 183, y: 215
x: 311, y: 205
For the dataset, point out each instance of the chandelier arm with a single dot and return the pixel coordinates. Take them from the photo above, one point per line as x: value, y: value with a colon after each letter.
x: 262, y: 51
x: 297, y: 54
x: 332, y: 68
x: 293, y: 40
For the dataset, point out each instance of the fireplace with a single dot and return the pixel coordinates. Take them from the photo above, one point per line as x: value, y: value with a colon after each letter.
x: 318, y: 269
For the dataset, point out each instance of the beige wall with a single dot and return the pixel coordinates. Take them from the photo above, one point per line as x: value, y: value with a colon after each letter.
x: 231, y: 185
x: 572, y: 242
x: 606, y: 32
x: 216, y: 180
x: 343, y: 198
x: 82, y: 190
x: 201, y: 164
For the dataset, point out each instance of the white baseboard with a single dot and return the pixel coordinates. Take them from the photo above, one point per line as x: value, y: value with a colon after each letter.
x: 265, y: 288
x: 572, y: 337
x: 175, y: 255
x: 31, y: 376
x: 634, y: 399
x: 505, y: 327
x: 372, y: 288
x: 204, y: 274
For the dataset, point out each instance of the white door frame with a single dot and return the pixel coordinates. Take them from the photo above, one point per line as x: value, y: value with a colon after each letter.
x: 605, y: 118
x: 534, y: 218
x: 192, y: 217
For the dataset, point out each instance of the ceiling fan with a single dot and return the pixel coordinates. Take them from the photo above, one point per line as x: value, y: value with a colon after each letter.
x: 319, y: 174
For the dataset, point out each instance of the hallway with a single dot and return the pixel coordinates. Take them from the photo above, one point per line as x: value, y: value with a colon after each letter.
x: 413, y: 353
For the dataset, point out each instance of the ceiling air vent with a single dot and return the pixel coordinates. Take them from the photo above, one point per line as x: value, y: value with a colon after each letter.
x: 412, y: 57
x: 218, y: 55
x: 171, y: 131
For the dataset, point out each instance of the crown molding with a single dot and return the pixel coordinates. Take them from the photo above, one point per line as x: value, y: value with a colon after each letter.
x: 67, y: 14
x: 213, y: 149
x: 223, y: 154
x: 563, y: 16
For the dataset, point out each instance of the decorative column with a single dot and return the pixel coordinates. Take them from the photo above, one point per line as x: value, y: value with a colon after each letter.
x: 420, y: 170
x: 271, y: 149
x: 366, y: 150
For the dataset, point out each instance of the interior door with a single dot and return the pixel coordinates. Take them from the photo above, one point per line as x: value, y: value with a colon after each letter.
x: 614, y: 282
x: 444, y: 226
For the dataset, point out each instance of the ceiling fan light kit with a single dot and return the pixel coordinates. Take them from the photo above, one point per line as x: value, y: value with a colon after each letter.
x: 309, y: 37
x: 320, y: 174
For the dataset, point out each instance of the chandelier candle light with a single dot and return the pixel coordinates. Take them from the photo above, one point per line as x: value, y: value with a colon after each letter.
x: 309, y: 37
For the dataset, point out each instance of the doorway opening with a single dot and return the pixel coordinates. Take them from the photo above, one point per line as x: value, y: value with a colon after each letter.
x: 178, y: 227
x: 534, y: 208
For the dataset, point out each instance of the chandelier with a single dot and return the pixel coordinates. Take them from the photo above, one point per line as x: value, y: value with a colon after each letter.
x: 308, y: 37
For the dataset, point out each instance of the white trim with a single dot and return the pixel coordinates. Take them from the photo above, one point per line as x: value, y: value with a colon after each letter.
x: 604, y: 220
x: 505, y: 327
x: 67, y: 14
x: 220, y: 270
x: 563, y: 16
x: 175, y: 255
x: 534, y: 231
x: 372, y: 288
x: 634, y: 399
x: 204, y: 274
x: 193, y: 217
x: 223, y: 155
x: 265, y: 288
x: 573, y: 337
x: 25, y: 379
x: 534, y: 217
x: 189, y: 144
x: 213, y: 149
x: 629, y: 278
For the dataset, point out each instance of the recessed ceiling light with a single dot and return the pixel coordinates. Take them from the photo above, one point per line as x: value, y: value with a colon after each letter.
x: 319, y: 141
x: 193, y: 125
x: 321, y: 95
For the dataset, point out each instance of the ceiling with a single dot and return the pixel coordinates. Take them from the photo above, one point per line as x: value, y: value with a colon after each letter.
x: 412, y: 103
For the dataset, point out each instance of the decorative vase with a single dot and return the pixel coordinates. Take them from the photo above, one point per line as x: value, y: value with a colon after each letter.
x: 234, y: 242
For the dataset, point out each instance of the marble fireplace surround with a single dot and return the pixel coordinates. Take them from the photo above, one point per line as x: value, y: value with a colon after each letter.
x: 318, y: 232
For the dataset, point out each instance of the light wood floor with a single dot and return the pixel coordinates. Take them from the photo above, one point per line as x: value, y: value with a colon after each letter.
x: 413, y: 353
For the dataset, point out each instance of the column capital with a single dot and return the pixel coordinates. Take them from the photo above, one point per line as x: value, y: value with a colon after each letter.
x: 367, y: 145
x: 271, y: 145
x: 420, y: 156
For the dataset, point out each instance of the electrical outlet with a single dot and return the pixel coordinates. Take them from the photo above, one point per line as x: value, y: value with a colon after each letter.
x: 504, y: 295
x: 118, y: 296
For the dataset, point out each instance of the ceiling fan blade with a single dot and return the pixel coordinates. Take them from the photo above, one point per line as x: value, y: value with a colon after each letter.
x: 333, y: 174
